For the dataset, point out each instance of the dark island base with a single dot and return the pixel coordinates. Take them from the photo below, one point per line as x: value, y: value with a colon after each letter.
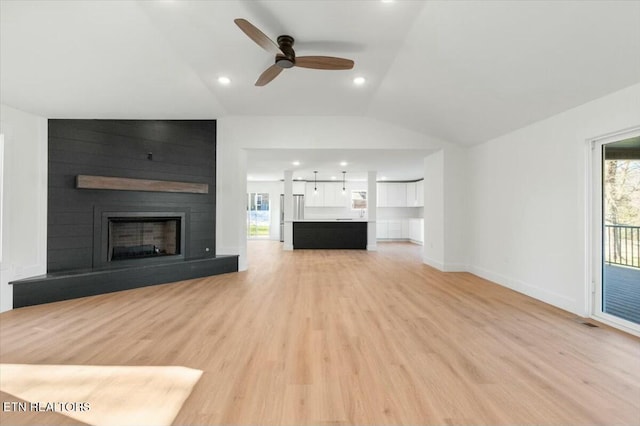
x: 330, y: 235
x: 73, y: 284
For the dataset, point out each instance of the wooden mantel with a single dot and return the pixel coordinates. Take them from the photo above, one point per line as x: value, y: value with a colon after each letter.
x: 129, y: 184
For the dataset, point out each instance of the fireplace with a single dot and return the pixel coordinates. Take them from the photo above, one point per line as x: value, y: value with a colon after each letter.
x: 134, y: 236
x: 143, y: 237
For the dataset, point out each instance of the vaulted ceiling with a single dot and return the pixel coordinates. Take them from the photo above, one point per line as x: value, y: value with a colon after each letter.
x: 462, y: 71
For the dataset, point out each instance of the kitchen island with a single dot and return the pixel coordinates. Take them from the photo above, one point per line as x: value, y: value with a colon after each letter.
x: 330, y: 234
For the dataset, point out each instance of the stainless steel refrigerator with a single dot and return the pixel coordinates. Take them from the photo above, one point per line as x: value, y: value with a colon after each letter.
x: 298, y: 211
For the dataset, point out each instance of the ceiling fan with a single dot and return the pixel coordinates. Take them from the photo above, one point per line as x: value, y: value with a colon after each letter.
x: 286, y: 56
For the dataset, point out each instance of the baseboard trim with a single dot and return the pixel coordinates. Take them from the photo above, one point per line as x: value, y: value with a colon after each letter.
x: 455, y: 267
x: 531, y: 290
x: 433, y: 263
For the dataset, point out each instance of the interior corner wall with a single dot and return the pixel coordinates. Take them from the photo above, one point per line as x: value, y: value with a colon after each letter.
x: 528, y: 201
x: 24, y: 218
x: 445, y: 212
x: 231, y: 197
x: 433, y: 247
x: 456, y: 232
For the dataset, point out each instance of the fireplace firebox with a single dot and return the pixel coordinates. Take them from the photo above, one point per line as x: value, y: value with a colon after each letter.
x: 143, y: 237
x: 136, y: 237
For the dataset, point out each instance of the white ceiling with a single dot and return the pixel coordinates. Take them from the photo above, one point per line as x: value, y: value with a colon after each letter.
x: 462, y: 71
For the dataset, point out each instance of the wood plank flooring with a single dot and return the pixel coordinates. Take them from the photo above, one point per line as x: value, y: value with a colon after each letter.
x: 344, y: 337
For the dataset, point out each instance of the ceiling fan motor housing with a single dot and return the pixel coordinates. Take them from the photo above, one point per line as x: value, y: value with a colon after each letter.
x: 288, y: 60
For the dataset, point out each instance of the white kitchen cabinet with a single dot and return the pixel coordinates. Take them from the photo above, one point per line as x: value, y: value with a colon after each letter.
x: 397, y: 195
x: 398, y: 229
x: 333, y: 195
x: 412, y: 194
x: 329, y: 195
x: 381, y: 194
x: 415, y: 194
x: 405, y: 229
x: 420, y: 193
x: 312, y: 199
x: 395, y: 229
x: 382, y: 229
x: 392, y: 195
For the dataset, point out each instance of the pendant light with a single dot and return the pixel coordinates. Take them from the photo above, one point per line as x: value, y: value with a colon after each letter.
x: 315, y: 183
x: 344, y: 174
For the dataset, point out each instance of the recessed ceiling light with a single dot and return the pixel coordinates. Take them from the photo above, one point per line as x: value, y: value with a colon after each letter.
x: 343, y: 163
x: 224, y: 80
x: 359, y: 81
x: 383, y: 178
x: 296, y: 163
x: 333, y: 178
x: 387, y: 1
x: 299, y: 177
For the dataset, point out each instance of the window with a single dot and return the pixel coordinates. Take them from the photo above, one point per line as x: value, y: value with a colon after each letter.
x: 358, y: 200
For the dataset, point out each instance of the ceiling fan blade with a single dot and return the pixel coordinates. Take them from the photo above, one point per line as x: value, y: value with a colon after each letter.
x: 324, y: 63
x: 269, y: 74
x: 258, y: 36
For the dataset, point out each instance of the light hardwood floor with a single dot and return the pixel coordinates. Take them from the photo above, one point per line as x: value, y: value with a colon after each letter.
x: 345, y: 337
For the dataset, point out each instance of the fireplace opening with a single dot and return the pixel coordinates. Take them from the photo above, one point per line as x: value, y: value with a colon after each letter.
x: 143, y: 237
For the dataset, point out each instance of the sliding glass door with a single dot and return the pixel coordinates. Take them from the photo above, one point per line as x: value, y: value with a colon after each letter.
x: 617, y: 292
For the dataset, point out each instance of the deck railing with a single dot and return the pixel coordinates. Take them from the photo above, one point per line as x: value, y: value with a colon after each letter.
x: 622, y: 245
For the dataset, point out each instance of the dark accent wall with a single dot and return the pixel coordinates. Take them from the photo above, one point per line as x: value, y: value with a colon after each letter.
x: 182, y: 150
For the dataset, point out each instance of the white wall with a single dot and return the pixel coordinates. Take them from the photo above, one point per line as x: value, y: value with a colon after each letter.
x: 433, y: 246
x: 456, y: 222
x: 24, y: 227
x: 237, y: 134
x: 528, y: 204
x: 446, y: 223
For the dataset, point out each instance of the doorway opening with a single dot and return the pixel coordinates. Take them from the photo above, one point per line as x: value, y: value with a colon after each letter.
x: 258, y: 215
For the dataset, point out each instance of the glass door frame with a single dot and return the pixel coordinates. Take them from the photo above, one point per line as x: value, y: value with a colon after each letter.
x: 595, y: 257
